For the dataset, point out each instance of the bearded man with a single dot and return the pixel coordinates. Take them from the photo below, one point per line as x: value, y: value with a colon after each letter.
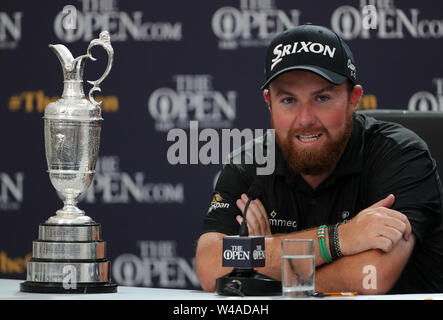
x: 372, y: 186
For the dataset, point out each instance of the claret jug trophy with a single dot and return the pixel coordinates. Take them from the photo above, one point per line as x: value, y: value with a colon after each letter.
x: 70, y: 254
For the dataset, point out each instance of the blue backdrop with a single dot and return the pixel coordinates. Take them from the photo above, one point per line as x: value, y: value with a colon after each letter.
x: 175, y: 62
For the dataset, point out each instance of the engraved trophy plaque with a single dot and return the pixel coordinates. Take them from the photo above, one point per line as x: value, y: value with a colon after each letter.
x: 70, y: 255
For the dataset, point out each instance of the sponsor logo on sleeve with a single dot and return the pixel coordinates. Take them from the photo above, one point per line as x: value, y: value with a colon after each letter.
x: 218, y: 203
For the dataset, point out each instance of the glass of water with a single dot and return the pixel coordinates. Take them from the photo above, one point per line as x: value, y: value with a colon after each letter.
x: 298, y: 267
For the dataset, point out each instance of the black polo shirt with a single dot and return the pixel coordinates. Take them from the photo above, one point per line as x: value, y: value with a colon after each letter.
x: 380, y: 158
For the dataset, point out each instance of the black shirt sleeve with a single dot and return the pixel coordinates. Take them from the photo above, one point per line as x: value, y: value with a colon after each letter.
x: 408, y: 172
x: 232, y: 182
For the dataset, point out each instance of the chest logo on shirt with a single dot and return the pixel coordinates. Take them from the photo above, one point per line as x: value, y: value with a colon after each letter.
x: 273, y: 221
x: 273, y: 214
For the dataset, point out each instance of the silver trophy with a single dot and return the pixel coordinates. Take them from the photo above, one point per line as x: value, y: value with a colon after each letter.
x: 70, y: 255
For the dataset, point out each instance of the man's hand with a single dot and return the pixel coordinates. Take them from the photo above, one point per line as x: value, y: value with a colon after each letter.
x: 376, y: 227
x: 256, y: 217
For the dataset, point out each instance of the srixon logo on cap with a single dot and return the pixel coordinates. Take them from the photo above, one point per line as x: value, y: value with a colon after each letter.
x: 281, y: 50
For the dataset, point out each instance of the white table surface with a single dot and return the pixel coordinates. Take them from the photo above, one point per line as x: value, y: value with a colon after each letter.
x: 10, y: 290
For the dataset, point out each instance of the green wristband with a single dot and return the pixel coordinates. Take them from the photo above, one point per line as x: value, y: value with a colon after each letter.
x: 322, y: 245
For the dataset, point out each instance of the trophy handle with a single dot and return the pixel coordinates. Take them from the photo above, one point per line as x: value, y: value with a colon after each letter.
x: 104, y: 41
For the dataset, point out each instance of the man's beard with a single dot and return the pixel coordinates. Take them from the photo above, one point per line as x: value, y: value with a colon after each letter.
x: 313, y: 161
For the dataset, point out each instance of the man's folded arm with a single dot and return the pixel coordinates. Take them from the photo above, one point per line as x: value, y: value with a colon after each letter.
x: 209, y: 260
x: 369, y: 272
x: 350, y: 273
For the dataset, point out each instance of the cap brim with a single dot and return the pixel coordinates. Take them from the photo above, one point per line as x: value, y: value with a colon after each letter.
x: 330, y: 76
